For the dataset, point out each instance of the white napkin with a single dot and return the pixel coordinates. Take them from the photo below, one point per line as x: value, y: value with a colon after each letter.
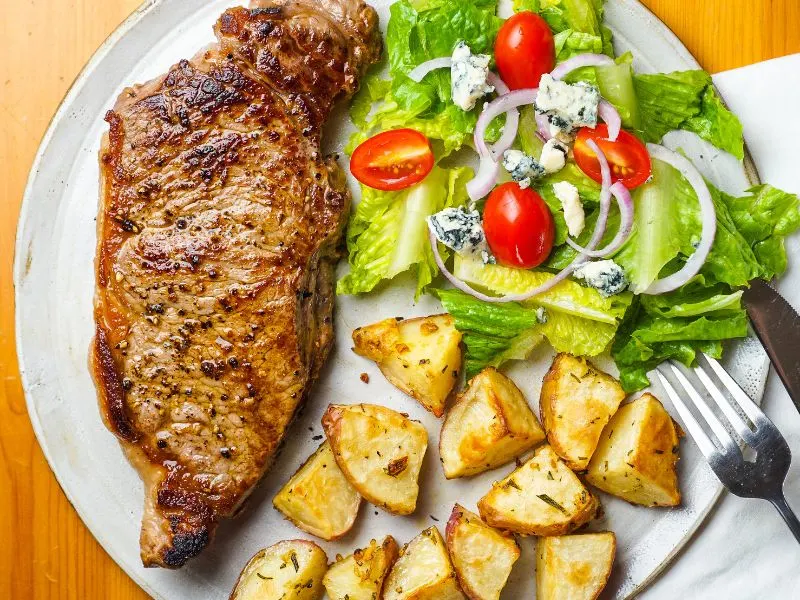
x: 745, y: 551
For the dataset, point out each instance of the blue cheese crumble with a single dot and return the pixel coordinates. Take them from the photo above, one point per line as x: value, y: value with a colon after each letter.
x: 554, y: 156
x: 568, y: 106
x: 541, y: 315
x: 606, y: 276
x: 522, y: 168
x: 469, y: 74
x: 570, y: 200
x: 461, y: 231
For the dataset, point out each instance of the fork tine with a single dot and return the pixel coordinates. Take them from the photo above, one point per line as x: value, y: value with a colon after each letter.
x: 734, y: 418
x: 749, y: 407
x: 702, y: 440
x: 727, y: 442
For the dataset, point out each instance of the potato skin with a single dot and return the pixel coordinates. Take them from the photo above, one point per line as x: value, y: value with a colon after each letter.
x: 380, y: 451
x: 576, y: 402
x: 471, y: 441
x: 420, y: 356
x: 312, y: 563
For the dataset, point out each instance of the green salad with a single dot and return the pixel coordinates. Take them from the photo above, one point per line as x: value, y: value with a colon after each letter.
x: 579, y: 230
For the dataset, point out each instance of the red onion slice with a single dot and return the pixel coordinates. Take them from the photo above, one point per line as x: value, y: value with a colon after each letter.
x: 610, y: 115
x: 502, y: 104
x: 419, y: 72
x: 605, y: 199
x: 625, y: 203
x: 708, y: 215
x: 543, y: 125
x: 512, y: 120
x: 581, y: 60
x: 483, y: 182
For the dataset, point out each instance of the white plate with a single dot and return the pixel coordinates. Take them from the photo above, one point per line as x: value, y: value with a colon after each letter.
x: 54, y: 281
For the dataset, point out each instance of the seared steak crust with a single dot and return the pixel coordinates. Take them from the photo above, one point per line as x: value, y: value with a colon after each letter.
x: 219, y: 227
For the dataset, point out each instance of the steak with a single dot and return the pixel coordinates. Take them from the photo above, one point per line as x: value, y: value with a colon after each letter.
x: 220, y: 224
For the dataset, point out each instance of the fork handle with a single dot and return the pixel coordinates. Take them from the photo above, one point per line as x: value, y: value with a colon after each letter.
x: 788, y: 515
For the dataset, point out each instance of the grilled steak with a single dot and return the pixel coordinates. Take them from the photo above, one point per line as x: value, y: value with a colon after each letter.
x: 219, y: 227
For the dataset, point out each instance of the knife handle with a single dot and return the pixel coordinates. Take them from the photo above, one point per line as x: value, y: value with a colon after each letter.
x: 777, y: 325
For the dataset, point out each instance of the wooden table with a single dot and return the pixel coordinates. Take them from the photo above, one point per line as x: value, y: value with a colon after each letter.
x: 45, y: 551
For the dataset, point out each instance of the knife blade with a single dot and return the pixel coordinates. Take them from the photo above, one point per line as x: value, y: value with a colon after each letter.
x: 777, y: 325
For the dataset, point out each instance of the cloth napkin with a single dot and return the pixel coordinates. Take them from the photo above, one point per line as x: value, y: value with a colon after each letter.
x: 744, y: 550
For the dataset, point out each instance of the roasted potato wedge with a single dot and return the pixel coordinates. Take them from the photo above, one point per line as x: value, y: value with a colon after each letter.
x: 541, y: 497
x: 360, y: 576
x: 574, y: 567
x: 292, y: 569
x: 577, y: 401
x: 420, y: 356
x: 489, y: 425
x: 482, y: 556
x: 318, y: 498
x: 423, y: 571
x: 637, y: 455
x: 380, y: 452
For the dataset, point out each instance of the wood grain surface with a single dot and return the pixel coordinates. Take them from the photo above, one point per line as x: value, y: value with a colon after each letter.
x: 45, y: 551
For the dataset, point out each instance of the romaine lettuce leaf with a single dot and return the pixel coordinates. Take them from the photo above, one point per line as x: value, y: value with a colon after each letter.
x: 686, y: 100
x: 419, y: 30
x: 578, y: 319
x: 387, y: 234
x: 493, y: 333
x: 764, y: 218
x: 645, y: 341
x: 578, y: 25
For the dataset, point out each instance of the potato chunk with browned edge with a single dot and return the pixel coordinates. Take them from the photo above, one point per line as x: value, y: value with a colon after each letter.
x: 482, y: 556
x: 489, y: 425
x: 318, y: 498
x: 638, y: 455
x: 541, y: 497
x: 420, y: 356
x: 423, y: 571
x: 380, y: 452
x: 574, y: 567
x: 361, y: 575
x: 576, y: 402
x: 288, y: 570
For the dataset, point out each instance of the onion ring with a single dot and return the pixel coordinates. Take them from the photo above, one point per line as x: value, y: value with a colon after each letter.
x: 581, y: 60
x: 419, y: 72
x: 625, y: 203
x: 708, y: 215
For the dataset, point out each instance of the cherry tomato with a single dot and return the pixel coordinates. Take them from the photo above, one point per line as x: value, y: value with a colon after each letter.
x: 627, y: 157
x: 524, y: 50
x: 392, y: 160
x: 518, y: 225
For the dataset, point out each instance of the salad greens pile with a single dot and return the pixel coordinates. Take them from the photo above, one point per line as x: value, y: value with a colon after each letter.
x: 387, y: 234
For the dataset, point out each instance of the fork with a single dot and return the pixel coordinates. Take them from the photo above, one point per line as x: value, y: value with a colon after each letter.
x: 762, y: 477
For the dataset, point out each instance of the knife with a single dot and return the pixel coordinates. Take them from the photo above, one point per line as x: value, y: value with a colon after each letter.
x: 777, y: 325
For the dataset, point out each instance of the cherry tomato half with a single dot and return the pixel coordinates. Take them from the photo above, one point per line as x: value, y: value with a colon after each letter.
x: 627, y: 157
x: 524, y: 50
x: 392, y: 160
x: 518, y: 225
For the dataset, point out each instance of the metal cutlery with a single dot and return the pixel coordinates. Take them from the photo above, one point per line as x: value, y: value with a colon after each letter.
x: 728, y: 446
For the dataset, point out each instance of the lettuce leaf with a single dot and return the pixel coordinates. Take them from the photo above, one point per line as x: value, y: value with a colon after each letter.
x: 493, y: 333
x: 686, y: 100
x: 645, y: 341
x: 577, y: 25
x: 419, y: 30
x: 578, y: 319
x: 387, y: 234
